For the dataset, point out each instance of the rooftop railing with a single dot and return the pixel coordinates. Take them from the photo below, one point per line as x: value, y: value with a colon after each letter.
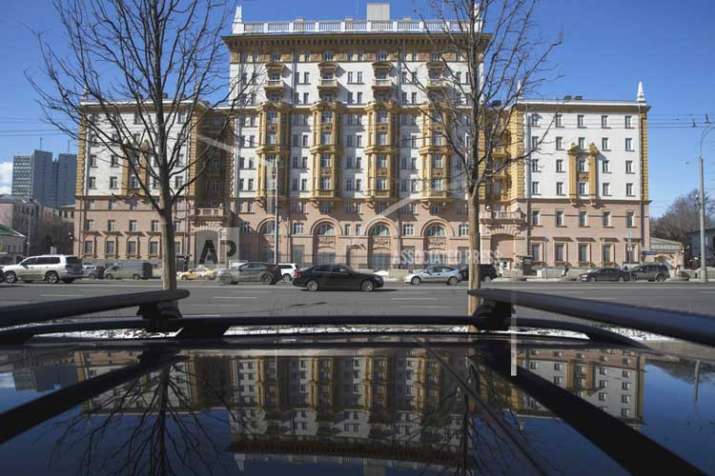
x: 344, y: 26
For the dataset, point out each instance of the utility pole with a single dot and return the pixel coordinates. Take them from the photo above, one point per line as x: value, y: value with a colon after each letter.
x: 275, y: 210
x: 703, y: 254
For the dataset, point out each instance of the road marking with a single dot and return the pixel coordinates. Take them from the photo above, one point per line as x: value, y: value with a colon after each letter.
x: 423, y: 307
x: 235, y: 297
x: 61, y: 295
x: 414, y: 299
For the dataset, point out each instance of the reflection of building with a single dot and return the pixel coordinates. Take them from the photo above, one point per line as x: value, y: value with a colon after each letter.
x: 609, y: 379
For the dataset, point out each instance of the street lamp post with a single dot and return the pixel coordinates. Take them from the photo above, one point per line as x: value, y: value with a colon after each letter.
x: 703, y: 264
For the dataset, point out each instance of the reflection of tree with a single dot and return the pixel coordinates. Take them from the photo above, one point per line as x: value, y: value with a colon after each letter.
x: 147, y: 426
x: 684, y: 370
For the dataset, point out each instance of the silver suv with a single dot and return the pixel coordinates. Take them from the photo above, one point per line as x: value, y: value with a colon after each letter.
x: 50, y: 268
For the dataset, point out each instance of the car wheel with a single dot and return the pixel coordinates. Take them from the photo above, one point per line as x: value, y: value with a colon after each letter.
x: 109, y: 276
x: 660, y: 278
x: 52, y: 277
x: 312, y: 285
x: 621, y: 279
x: 136, y: 277
x: 68, y: 280
x: 287, y: 278
x: 267, y: 279
x: 92, y: 276
x: 487, y: 279
x: 367, y: 286
x: 183, y: 278
x: 416, y: 281
x: 452, y: 281
x: 10, y: 277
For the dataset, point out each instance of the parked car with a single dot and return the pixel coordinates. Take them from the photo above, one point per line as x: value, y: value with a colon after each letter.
x: 2, y: 276
x: 650, y: 272
x: 605, y: 274
x: 129, y: 270
x: 336, y: 276
x: 200, y: 272
x: 252, y: 272
x: 93, y: 271
x: 287, y: 271
x: 487, y: 272
x: 436, y: 273
x: 50, y: 268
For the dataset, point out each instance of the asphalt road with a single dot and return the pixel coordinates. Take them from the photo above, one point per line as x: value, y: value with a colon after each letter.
x: 209, y: 298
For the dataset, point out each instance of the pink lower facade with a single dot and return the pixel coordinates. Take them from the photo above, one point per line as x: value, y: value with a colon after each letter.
x: 563, y: 234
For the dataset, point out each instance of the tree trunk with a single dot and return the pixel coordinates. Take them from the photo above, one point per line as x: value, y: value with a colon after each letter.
x: 475, y: 258
x: 168, y: 247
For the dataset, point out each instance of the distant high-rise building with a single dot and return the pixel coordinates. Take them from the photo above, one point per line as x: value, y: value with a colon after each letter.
x: 66, y: 177
x: 37, y: 176
x: 31, y: 175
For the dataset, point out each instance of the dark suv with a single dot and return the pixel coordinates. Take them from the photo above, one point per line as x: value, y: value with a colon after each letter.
x: 651, y: 272
x: 487, y: 272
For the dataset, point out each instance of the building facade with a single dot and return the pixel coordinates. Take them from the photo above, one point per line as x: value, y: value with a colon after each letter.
x: 337, y: 145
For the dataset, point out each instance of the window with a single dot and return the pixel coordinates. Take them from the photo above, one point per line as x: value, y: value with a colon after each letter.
x: 559, y: 217
x: 349, y: 185
x: 111, y: 225
x: 534, y: 165
x: 88, y: 247
x: 535, y: 188
x: 629, y: 190
x: 535, y: 217
x: 435, y: 231
x: 358, y: 185
x: 408, y: 229
x: 582, y: 219
x: 579, y: 121
x: 536, y: 251
x: 583, y: 253
x: 463, y: 229
x: 607, y: 219
x: 437, y: 162
x: 559, y: 188
x: 605, y: 166
x: 628, y: 122
x: 381, y: 184
x: 629, y: 166
x: 559, y: 165
x: 325, y: 183
x: 582, y: 143
x: 582, y: 188
x: 154, y: 227
x: 558, y: 120
x: 534, y: 142
x: 297, y: 228
x: 559, y: 143
x: 109, y: 248
x: 132, y: 225
x: 606, y: 189
x: 92, y: 183
x: 630, y: 220
x: 604, y: 144
x: 629, y: 144
x: 346, y: 229
x: 325, y: 229
x: 559, y: 252
x: 113, y: 183
x: 154, y: 248
x: 604, y: 122
x: 606, y: 256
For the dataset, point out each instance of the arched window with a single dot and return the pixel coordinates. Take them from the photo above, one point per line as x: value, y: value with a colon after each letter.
x: 435, y: 230
x: 379, y: 230
x: 268, y: 228
x: 325, y: 229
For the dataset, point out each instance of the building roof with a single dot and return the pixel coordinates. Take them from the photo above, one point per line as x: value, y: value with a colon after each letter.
x: 7, y: 231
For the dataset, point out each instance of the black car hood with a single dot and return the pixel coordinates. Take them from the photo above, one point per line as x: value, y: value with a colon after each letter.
x: 385, y: 405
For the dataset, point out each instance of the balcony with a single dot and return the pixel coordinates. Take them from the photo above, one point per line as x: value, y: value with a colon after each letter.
x: 382, y: 85
x: 274, y: 86
x: 328, y: 85
x: 436, y: 84
x: 211, y: 214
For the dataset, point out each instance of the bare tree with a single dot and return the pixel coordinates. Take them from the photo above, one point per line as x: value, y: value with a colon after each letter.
x: 682, y: 217
x: 142, y: 80
x: 485, y: 56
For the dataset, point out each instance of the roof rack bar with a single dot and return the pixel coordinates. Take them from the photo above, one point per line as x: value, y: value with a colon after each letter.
x: 152, y: 305
x: 698, y: 328
x: 23, y: 417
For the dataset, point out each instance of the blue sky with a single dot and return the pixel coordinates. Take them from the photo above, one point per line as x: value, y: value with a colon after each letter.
x: 609, y: 45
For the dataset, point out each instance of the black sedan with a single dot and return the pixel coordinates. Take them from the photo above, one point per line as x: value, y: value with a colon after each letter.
x: 605, y: 274
x: 336, y: 276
